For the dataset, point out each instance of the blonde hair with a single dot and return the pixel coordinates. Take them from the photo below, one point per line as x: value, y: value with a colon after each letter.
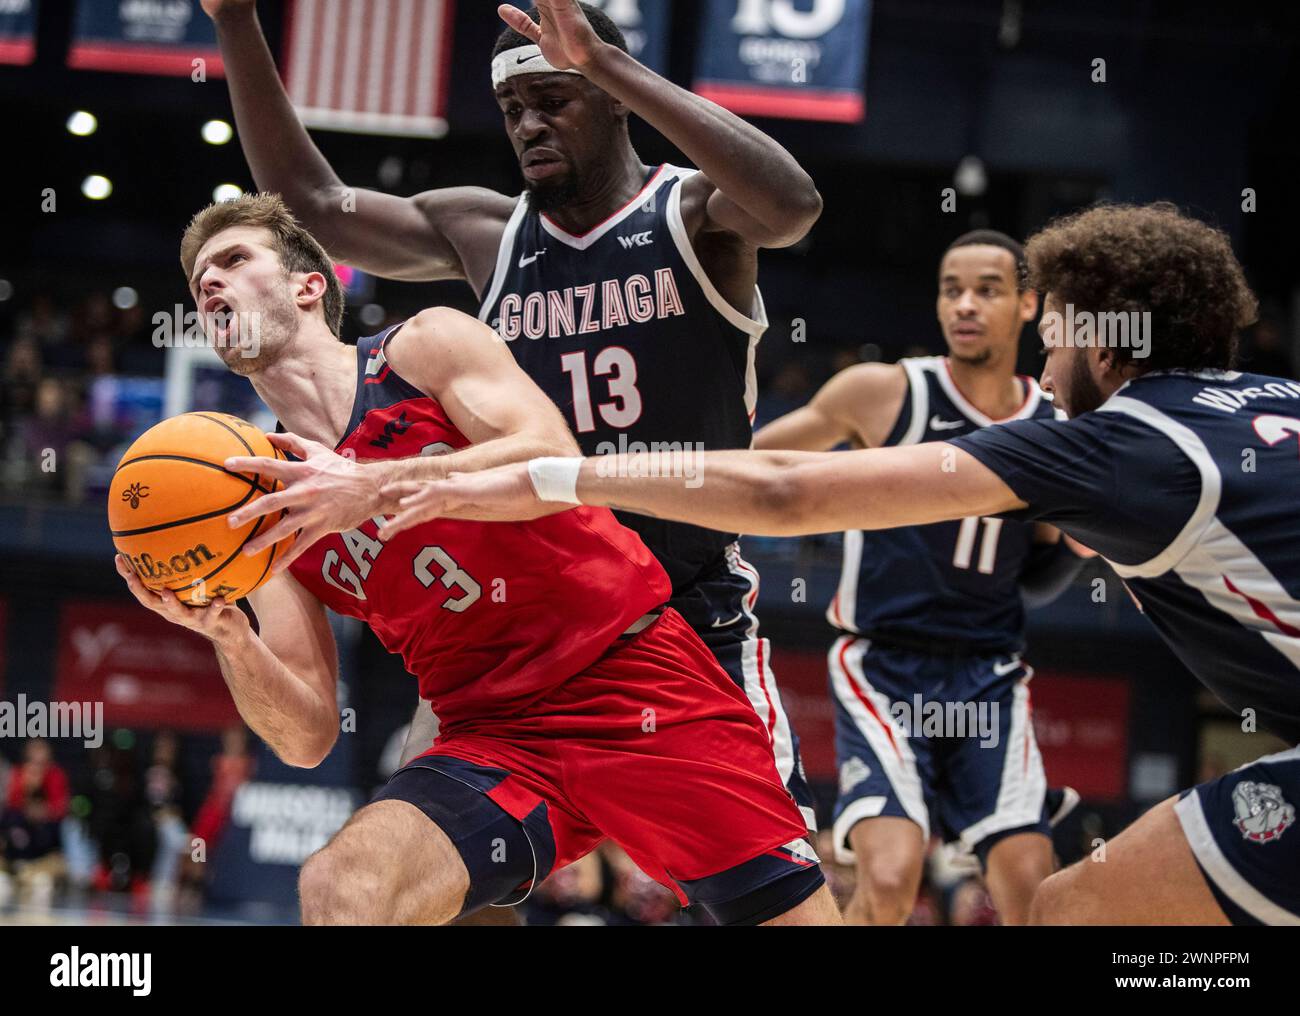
x: 298, y: 250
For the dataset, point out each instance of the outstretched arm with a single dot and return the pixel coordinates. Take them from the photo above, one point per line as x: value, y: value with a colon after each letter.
x: 759, y: 191
x: 757, y: 493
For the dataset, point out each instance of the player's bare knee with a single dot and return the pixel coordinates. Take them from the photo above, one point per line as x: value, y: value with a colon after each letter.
x: 333, y: 889
x: 1026, y: 863
x: 889, y: 880
x: 887, y: 890
x: 316, y: 888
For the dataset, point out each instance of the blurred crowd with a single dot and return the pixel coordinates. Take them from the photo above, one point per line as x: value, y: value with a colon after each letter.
x: 58, y: 413
x: 123, y: 822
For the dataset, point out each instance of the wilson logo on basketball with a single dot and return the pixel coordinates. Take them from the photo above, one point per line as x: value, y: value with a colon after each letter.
x: 179, y: 465
x: 134, y: 493
x: 178, y: 564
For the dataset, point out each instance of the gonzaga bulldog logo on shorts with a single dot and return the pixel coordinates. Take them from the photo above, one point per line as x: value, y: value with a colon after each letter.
x: 1263, y: 814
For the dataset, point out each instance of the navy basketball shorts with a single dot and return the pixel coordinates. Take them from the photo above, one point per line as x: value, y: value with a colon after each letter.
x: 1241, y: 828
x: 945, y: 741
x: 719, y: 605
x: 652, y: 747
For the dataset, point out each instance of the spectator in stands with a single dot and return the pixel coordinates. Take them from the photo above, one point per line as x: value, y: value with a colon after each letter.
x: 163, y: 792
x: 101, y: 355
x: 94, y: 320
x: 35, y: 803
x: 42, y: 323
x: 230, y: 769
x: 22, y: 373
x: 45, y: 439
x: 39, y: 771
x: 121, y: 821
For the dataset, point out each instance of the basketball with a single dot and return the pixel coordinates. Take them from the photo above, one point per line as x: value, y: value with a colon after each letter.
x: 168, y: 503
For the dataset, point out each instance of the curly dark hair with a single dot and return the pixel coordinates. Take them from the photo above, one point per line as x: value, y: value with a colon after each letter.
x: 1115, y: 258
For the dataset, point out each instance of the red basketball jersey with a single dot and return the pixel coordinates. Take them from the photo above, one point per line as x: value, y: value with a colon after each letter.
x: 487, y: 615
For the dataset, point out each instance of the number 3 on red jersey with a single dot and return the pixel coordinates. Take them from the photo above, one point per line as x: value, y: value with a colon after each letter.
x: 452, y: 577
x: 364, y: 550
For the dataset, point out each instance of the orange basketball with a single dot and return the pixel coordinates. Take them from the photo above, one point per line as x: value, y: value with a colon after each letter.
x: 168, y: 504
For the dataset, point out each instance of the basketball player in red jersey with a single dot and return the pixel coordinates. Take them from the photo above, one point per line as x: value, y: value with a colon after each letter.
x: 571, y: 711
x: 627, y: 292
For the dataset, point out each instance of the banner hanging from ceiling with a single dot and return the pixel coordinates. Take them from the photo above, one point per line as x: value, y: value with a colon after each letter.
x: 18, y: 32
x: 798, y: 59
x: 169, y: 37
x: 370, y: 66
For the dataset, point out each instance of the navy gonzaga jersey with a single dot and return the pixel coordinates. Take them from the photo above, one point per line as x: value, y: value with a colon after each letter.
x: 950, y: 582
x: 1189, y: 485
x: 626, y: 334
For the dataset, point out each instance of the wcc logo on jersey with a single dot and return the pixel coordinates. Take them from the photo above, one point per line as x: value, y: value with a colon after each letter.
x: 393, y: 429
x: 1263, y: 814
x: 636, y: 240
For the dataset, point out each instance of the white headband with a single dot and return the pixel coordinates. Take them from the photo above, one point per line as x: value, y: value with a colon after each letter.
x: 522, y: 60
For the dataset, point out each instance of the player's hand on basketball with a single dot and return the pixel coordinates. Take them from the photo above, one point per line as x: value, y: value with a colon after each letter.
x: 565, y: 36
x: 324, y: 493
x: 503, y: 494
x: 220, y: 621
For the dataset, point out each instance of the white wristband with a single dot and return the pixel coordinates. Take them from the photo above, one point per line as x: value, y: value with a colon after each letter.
x: 555, y: 479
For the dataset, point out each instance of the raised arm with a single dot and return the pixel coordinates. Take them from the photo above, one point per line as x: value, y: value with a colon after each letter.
x: 414, y: 239
x: 284, y: 680
x: 754, y: 187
